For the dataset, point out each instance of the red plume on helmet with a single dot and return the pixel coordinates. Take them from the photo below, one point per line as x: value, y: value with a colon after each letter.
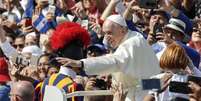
x: 66, y: 32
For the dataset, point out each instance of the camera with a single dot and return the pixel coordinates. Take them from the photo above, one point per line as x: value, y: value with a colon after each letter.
x: 101, y: 84
x: 182, y: 87
x: 157, y: 29
x: 148, y: 4
x: 20, y: 59
x: 179, y: 87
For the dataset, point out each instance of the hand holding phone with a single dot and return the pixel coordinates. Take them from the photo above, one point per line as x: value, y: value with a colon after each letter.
x: 179, y: 87
x: 150, y: 84
x: 195, y: 79
x: 148, y: 4
x: 28, y: 22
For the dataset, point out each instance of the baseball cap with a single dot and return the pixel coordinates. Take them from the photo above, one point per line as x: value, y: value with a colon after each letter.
x: 4, y: 73
x: 160, y: 12
x: 97, y: 47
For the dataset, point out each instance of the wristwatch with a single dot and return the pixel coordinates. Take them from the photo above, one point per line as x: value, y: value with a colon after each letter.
x: 82, y: 64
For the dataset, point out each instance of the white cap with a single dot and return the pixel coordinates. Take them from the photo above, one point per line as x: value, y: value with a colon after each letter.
x: 34, y: 50
x: 32, y: 34
x: 117, y: 19
x: 177, y: 25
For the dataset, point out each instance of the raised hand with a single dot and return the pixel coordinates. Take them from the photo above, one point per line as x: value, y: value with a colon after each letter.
x: 95, y: 27
x: 36, y: 13
x: 118, y: 92
x: 27, y: 29
x: 78, y: 10
x: 2, y: 34
x: 167, y: 6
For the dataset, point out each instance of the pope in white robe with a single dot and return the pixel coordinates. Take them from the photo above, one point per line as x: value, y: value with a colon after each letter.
x: 132, y: 60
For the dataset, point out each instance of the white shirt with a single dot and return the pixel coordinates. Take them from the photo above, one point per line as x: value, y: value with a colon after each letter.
x: 134, y: 58
x: 7, y: 49
x: 167, y: 95
x: 68, y: 72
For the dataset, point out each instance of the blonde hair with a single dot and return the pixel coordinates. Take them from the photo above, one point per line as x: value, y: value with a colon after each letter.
x: 174, y: 57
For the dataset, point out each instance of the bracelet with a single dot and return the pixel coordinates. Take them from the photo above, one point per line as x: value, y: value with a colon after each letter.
x: 82, y: 64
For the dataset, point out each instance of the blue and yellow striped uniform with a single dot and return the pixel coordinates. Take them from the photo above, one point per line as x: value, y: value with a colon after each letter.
x: 62, y: 82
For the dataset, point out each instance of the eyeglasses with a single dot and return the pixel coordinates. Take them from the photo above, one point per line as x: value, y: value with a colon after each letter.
x: 10, y: 95
x: 19, y: 46
x: 196, y: 30
x: 173, y: 32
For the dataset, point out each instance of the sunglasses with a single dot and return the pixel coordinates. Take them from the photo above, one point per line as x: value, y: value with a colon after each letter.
x: 196, y: 30
x: 169, y: 30
x: 19, y: 45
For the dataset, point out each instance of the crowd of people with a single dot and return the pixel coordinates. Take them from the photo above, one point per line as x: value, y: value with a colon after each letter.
x: 88, y: 45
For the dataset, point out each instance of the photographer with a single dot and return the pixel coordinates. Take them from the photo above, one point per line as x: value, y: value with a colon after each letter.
x: 174, y: 60
x: 95, y: 83
x: 194, y: 96
x: 174, y: 31
x: 158, y: 20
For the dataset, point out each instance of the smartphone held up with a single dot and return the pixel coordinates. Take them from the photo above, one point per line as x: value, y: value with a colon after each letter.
x: 149, y: 4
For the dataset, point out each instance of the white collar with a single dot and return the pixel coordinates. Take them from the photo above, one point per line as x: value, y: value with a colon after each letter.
x: 129, y: 34
x: 67, y: 71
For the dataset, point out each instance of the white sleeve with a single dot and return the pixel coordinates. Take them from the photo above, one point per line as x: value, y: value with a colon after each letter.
x: 107, y: 64
x: 196, y: 71
x: 7, y: 49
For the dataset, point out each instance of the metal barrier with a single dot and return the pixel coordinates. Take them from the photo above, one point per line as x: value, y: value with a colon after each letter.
x: 52, y: 93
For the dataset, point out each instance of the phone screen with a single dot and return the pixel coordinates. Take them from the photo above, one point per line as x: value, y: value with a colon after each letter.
x: 149, y: 84
x: 179, y: 87
x: 148, y: 4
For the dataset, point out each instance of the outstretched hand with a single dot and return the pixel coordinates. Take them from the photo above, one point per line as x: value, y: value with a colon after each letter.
x: 69, y: 62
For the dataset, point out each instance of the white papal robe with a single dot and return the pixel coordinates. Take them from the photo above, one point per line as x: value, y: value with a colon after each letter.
x: 133, y: 60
